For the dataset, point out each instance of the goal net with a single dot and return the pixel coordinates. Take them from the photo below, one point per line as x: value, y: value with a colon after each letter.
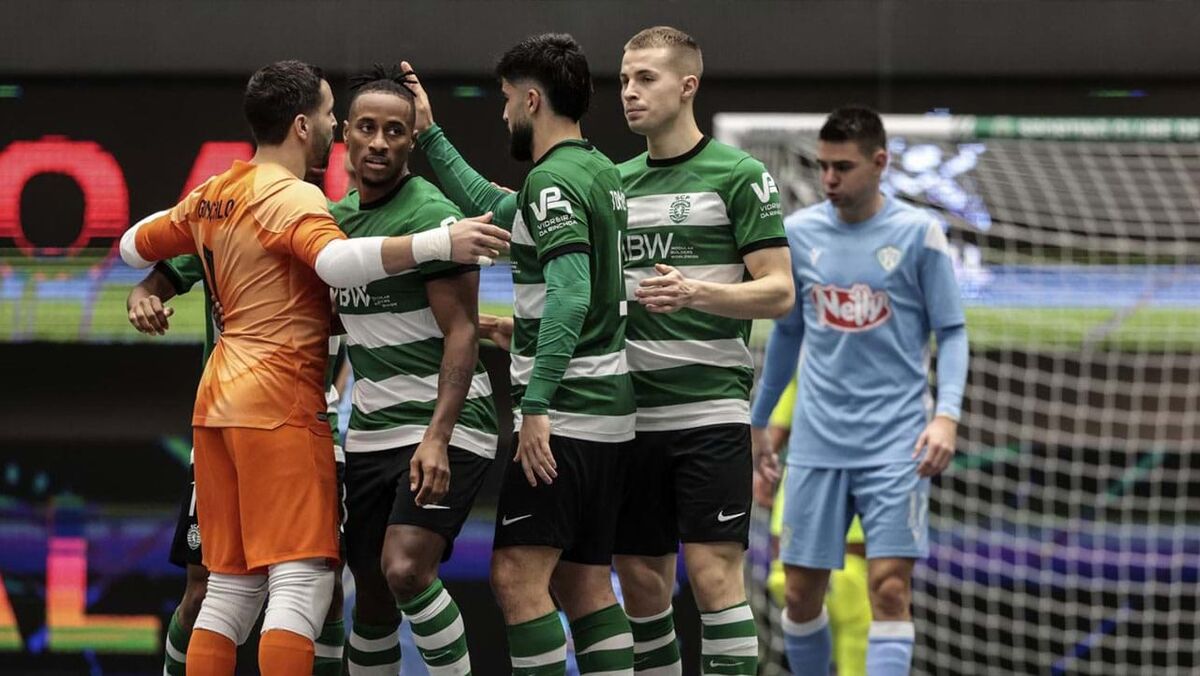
x: 1065, y: 537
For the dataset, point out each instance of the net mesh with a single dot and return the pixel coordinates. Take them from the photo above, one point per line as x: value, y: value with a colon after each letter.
x: 1065, y: 538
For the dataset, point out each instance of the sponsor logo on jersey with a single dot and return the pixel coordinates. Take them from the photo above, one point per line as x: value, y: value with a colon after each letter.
x: 550, y: 198
x: 655, y: 247
x: 814, y: 255
x: 855, y: 309
x: 765, y: 187
x: 680, y: 208
x: 888, y: 257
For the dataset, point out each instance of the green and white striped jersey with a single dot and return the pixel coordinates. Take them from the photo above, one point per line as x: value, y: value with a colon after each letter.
x: 572, y: 201
x: 393, y: 339
x: 699, y: 212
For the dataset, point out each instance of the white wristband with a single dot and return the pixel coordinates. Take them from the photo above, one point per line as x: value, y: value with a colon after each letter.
x: 432, y: 245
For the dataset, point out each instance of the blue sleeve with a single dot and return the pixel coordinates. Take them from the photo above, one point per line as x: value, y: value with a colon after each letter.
x: 943, y: 302
x: 953, y: 357
x: 779, y: 362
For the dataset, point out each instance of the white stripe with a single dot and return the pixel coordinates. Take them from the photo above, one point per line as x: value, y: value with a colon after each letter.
x: 374, y: 645
x: 794, y: 628
x: 442, y: 638
x: 335, y: 344
x: 558, y: 654
x: 704, y: 208
x: 747, y: 646
x: 695, y: 414
x: 652, y: 355
x: 429, y: 612
x: 365, y: 441
x: 654, y: 644
x: 605, y: 429
x: 385, y: 329
x: 529, y: 300
x: 331, y: 652
x: 377, y: 670
x: 375, y: 395
x: 651, y: 618
x: 520, y: 232
x: 731, y: 273
x: 732, y: 615
x: 174, y: 653
x: 611, y: 364
x: 461, y: 667
x: 618, y: 642
x: 893, y: 630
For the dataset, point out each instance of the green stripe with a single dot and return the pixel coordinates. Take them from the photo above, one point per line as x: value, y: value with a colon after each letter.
x: 692, y: 383
x: 659, y: 657
x: 724, y: 664
x: 739, y: 629
x: 603, y: 396
x: 709, y: 244
x: 600, y: 626
x: 374, y: 659
x: 438, y: 622
x: 421, y: 601
x: 403, y: 293
x: 374, y: 631
x: 327, y: 666
x: 447, y: 654
x: 422, y: 358
x: 477, y: 414
x: 687, y: 324
x: 605, y: 660
x: 555, y: 669
x: 648, y: 631
x: 537, y: 636
x: 177, y: 635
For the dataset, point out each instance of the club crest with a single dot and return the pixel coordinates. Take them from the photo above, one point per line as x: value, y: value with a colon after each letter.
x: 680, y: 208
x: 888, y: 257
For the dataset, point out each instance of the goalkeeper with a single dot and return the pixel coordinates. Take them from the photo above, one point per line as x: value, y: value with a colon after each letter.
x: 846, y: 603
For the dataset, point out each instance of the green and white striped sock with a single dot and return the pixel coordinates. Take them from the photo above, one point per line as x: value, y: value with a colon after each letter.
x: 729, y: 642
x: 328, y: 648
x: 175, y: 648
x: 373, y: 650
x: 603, y: 643
x: 655, y: 650
x: 437, y: 629
x: 538, y: 647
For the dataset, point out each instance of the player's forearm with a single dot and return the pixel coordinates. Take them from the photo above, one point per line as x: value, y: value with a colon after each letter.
x: 953, y: 359
x: 345, y: 263
x: 568, y: 293
x: 466, y: 187
x: 768, y: 297
x: 460, y: 352
x: 155, y: 284
x: 779, y: 365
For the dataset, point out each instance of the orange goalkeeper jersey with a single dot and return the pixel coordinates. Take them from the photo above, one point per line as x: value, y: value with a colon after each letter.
x: 258, y: 230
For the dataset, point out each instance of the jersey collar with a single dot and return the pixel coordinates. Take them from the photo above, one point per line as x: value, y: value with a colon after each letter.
x: 577, y: 142
x: 375, y: 204
x: 678, y: 159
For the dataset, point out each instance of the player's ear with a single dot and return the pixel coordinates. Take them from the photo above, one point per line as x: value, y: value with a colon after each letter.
x: 691, y: 84
x: 345, y: 129
x: 300, y: 125
x: 880, y: 159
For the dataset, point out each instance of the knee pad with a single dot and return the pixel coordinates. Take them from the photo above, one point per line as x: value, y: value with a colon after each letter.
x: 232, y: 604
x: 299, y: 595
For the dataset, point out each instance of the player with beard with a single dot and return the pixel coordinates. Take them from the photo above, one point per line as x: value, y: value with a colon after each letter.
x: 265, y: 485
x: 704, y: 254
x: 423, y: 431
x: 556, y: 519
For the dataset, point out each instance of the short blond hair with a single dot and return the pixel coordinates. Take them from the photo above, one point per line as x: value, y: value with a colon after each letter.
x: 683, y: 46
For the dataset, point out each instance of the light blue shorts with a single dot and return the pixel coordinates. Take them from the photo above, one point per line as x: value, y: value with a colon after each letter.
x: 820, y: 503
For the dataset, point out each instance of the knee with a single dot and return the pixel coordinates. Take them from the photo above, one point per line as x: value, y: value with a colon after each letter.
x: 406, y: 578
x: 644, y: 581
x: 804, y: 597
x: 193, y: 598
x: 299, y: 595
x: 890, y: 597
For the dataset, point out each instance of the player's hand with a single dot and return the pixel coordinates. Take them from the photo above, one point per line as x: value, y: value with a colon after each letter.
x: 669, y: 292
x: 218, y: 314
x: 499, y: 330
x: 766, y: 466
x: 475, y: 241
x: 429, y: 472
x: 501, y: 188
x: 937, y: 443
x: 147, y: 313
x: 420, y: 98
x: 533, y: 450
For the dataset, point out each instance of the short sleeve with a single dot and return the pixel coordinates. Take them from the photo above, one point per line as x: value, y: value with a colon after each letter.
x: 754, y: 208
x: 943, y: 301
x: 556, y: 216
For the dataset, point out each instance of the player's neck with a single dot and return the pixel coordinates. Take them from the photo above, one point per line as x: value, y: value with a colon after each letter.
x: 551, y: 132
x: 371, y: 193
x: 674, y: 139
x: 282, y: 155
x: 862, y: 212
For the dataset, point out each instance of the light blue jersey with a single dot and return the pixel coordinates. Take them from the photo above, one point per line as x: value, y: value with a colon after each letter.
x: 868, y: 297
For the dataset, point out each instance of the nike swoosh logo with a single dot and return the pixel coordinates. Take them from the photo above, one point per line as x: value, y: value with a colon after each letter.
x: 435, y: 507
x: 506, y: 521
x: 723, y: 517
x: 714, y: 664
x: 436, y: 656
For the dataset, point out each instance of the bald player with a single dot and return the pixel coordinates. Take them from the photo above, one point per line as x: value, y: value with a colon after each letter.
x: 265, y: 483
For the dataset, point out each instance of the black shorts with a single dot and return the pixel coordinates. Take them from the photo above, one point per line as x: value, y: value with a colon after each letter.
x: 692, y: 485
x: 577, y: 513
x: 185, y: 545
x: 378, y: 496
